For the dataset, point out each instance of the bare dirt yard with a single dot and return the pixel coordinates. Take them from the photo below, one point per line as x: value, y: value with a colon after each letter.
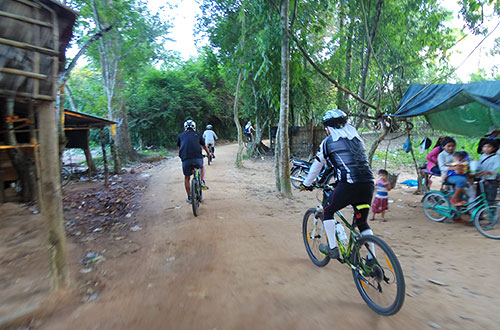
x: 241, y: 264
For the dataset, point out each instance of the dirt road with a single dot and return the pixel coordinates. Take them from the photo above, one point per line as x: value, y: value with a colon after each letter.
x: 241, y: 264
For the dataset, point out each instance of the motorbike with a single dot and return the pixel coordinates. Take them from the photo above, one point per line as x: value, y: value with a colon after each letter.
x: 300, y: 169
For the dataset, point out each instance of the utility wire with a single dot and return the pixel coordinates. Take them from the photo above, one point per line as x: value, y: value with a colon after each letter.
x: 455, y: 69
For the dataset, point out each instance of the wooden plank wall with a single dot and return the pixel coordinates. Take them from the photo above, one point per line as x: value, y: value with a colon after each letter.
x: 301, y: 141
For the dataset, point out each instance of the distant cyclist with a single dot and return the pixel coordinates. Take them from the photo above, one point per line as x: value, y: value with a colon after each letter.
x: 248, y: 131
x: 210, y: 137
x: 344, y: 150
x: 190, y: 143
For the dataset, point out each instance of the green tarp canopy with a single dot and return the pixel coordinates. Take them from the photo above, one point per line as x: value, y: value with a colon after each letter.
x: 465, y: 109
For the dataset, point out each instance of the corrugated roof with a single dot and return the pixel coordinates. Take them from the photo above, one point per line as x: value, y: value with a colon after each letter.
x: 74, y: 119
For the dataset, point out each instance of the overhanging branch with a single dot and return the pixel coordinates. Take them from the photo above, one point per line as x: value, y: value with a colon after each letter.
x: 327, y: 76
x: 64, y: 77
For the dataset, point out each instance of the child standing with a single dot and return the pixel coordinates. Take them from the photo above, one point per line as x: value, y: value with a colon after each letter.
x: 380, y: 203
x: 488, y: 169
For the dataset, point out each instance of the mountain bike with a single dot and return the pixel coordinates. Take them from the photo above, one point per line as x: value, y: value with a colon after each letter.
x: 437, y: 207
x: 300, y: 168
x: 196, y: 191
x: 375, y: 268
x: 210, y: 156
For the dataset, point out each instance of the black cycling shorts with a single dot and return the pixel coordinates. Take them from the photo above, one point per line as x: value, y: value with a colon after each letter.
x: 190, y: 164
x: 350, y: 194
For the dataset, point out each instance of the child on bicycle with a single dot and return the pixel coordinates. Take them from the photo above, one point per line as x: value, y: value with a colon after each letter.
x: 380, y: 202
x: 489, y: 163
x: 432, y: 167
x: 448, y: 171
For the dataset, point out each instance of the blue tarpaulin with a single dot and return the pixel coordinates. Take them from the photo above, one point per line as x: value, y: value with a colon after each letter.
x: 465, y: 109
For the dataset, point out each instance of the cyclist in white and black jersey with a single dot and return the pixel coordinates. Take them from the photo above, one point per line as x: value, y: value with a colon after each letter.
x: 344, y: 150
x: 210, y: 137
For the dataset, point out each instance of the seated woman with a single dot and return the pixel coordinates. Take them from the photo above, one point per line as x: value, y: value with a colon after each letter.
x: 449, y: 173
x: 432, y: 161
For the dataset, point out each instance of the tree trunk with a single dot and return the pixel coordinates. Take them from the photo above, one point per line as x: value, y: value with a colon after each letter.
x: 340, y: 94
x: 366, y: 65
x: 255, y: 146
x: 123, y: 141
x: 420, y: 188
x: 373, y: 148
x: 117, y: 164
x: 239, y: 157
x: 104, y: 157
x: 348, y: 65
x: 277, y: 160
x: 71, y: 99
x: 51, y: 197
x: 88, y: 158
x: 284, y: 150
x: 239, y: 154
x: 109, y: 68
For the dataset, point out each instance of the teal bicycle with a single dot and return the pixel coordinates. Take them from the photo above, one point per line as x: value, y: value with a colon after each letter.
x: 437, y: 207
x: 375, y: 268
x: 196, y: 191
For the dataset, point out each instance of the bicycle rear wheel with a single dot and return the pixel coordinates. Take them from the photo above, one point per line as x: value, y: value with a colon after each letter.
x: 195, y: 202
x: 434, y: 201
x: 379, y: 279
x: 486, y: 221
x: 314, y: 234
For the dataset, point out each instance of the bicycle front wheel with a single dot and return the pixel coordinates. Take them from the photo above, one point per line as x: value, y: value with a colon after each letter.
x: 195, y: 202
x: 313, y: 234
x: 297, y: 176
x: 434, y: 204
x: 378, y: 275
x: 486, y: 221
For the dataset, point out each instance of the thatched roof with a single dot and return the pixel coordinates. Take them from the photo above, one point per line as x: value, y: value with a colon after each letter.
x: 34, y: 36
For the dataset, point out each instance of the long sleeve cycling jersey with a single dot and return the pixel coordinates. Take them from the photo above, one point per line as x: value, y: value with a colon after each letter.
x: 348, y: 158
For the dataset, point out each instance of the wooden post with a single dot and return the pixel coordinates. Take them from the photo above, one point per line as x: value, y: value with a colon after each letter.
x: 2, y: 186
x: 51, y: 197
x: 104, y: 159
x: 36, y: 151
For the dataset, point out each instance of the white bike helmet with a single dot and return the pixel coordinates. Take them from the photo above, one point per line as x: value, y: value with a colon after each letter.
x: 209, y: 126
x: 190, y: 124
x: 335, y: 118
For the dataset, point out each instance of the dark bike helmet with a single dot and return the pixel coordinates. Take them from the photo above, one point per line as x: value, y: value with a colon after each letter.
x: 335, y: 118
x: 209, y: 126
x: 190, y: 124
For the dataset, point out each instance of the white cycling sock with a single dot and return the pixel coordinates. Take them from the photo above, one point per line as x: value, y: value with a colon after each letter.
x: 370, y: 245
x: 330, y: 232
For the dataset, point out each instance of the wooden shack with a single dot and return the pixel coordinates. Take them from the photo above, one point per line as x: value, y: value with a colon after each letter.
x: 77, y: 126
x: 34, y: 35
x: 305, y: 141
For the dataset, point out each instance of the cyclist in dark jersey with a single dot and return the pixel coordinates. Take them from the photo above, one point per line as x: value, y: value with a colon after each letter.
x: 190, y: 143
x: 344, y: 150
